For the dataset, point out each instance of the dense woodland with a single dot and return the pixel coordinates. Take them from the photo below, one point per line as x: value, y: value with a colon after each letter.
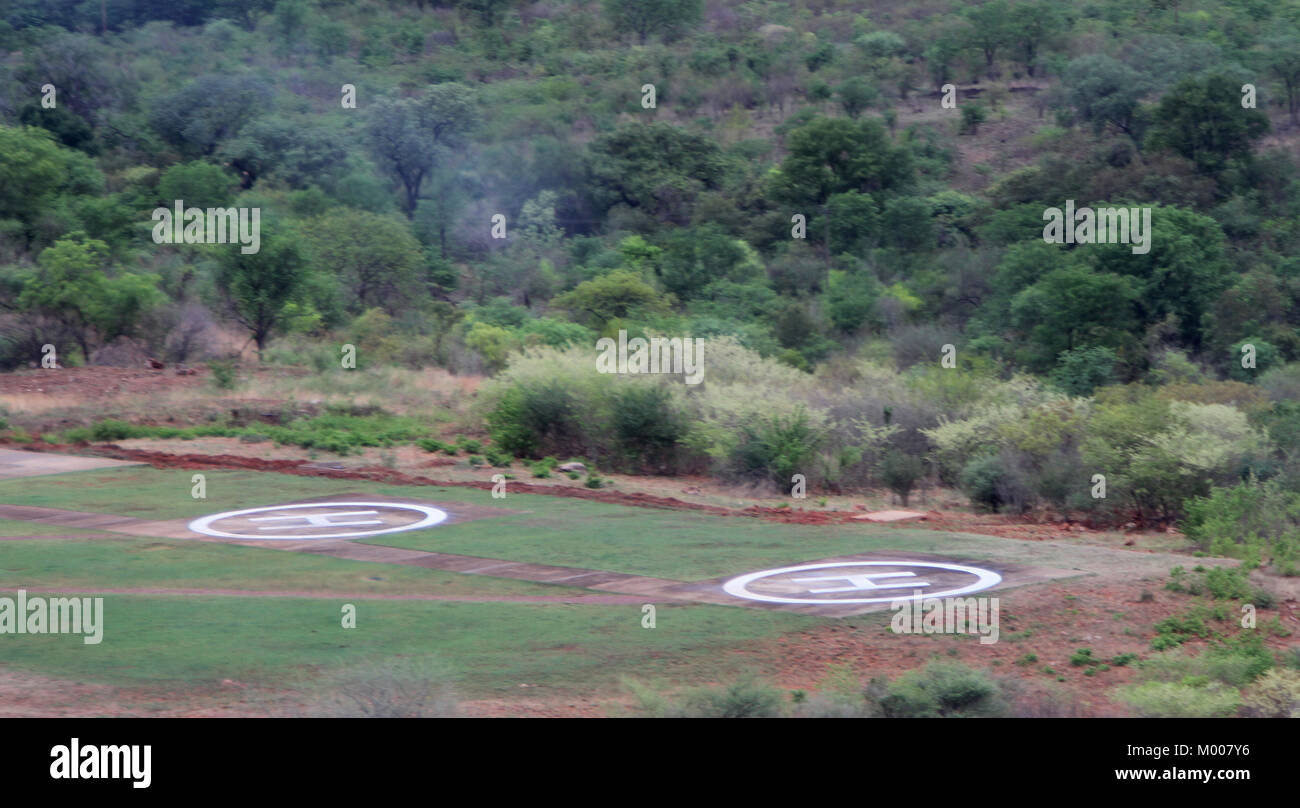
x: 924, y: 227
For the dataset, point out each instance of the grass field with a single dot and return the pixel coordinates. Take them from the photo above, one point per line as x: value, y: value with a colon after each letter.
x: 180, y: 642
x: 491, y: 648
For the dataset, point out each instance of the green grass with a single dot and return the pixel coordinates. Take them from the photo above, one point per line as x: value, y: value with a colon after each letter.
x: 174, y: 642
x: 337, y: 432
x: 679, y: 545
x: 122, y: 562
x: 17, y: 527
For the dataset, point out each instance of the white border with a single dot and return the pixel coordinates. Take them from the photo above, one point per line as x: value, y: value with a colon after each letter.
x: 432, y: 516
x: 737, y: 587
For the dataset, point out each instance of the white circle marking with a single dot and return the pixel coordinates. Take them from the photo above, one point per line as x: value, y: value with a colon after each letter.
x: 432, y: 516
x: 738, y: 587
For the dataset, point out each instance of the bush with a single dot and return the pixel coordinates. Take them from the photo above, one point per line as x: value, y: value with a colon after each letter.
x: 776, y: 448
x: 1276, y: 694
x: 942, y: 690
x: 434, y: 445
x: 746, y: 698
x: 1258, y: 522
x: 403, y: 688
x: 995, y: 481
x: 900, y: 472
x: 110, y: 430
x: 535, y: 419
x: 648, y: 426
x: 1177, y: 700
x: 223, y: 374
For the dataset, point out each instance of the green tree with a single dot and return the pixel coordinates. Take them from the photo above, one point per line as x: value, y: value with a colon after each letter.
x: 1203, y: 121
x: 1184, y: 273
x: 615, y: 294
x: 1106, y: 92
x: 209, y: 110
x: 374, y: 257
x: 1071, y: 308
x: 411, y: 135
x: 258, y: 286
x: 856, y: 96
x: 667, y: 18
x: 197, y: 184
x: 1033, y: 24
x: 991, y: 29
x: 71, y: 286
x: 34, y: 170
x: 834, y: 156
x: 656, y: 168
x: 850, y: 299
x: 1280, y: 56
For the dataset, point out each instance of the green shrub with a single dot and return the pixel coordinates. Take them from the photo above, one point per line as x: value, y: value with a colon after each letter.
x: 981, y: 480
x: 1276, y: 694
x: 534, y: 419
x: 110, y: 429
x: 223, y: 374
x: 900, y: 473
x: 776, y: 447
x: 746, y: 698
x: 648, y: 428
x: 1258, y: 522
x: 942, y: 690
x: 1178, y: 700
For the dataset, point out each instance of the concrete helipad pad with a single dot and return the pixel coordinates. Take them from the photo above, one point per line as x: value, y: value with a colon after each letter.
x: 16, y: 463
x: 844, y: 586
x: 890, y: 516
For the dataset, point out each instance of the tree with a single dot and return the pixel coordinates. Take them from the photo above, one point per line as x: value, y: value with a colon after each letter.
x: 1281, y: 58
x: 990, y: 30
x: 34, y: 169
x: 850, y: 299
x: 197, y: 184
x: 834, y: 156
x: 615, y: 294
x: 1032, y: 24
x: 70, y: 285
x: 1072, y: 308
x: 258, y: 286
x: 485, y: 10
x: 694, y: 258
x: 410, y: 136
x: 374, y: 257
x: 1183, y: 277
x: 78, y: 65
x: 1105, y: 92
x: 668, y: 18
x: 655, y: 168
x: 209, y: 110
x: 1203, y: 121
x: 856, y: 96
